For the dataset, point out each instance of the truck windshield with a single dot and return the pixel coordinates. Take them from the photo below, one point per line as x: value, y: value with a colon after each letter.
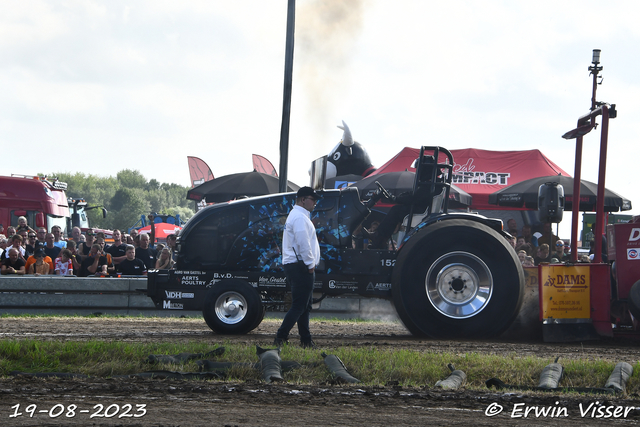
x: 57, y: 220
x: 30, y: 215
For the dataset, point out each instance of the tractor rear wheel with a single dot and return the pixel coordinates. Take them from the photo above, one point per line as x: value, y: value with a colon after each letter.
x: 232, y: 307
x: 634, y: 300
x: 457, y: 279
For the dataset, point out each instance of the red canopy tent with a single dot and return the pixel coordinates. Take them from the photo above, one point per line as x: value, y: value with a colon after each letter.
x: 482, y: 172
x: 163, y: 229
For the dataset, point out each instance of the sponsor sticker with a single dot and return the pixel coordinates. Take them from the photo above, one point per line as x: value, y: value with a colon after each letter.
x: 633, y: 254
x: 179, y: 295
x: 192, y: 281
x: 272, y: 281
x: 172, y: 305
x: 343, y: 285
x: 378, y: 286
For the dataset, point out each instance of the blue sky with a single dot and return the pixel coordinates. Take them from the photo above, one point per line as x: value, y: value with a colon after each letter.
x: 98, y: 86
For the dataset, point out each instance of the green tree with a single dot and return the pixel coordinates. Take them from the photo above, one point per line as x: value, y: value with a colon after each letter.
x: 131, y: 179
x: 129, y: 204
x: 126, y: 197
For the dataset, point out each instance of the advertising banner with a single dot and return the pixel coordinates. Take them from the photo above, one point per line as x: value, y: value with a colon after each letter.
x: 565, y: 292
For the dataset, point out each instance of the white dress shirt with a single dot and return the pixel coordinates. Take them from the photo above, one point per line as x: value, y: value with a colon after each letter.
x: 300, y: 241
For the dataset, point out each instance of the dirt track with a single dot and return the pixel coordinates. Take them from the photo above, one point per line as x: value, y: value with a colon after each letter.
x: 178, y: 402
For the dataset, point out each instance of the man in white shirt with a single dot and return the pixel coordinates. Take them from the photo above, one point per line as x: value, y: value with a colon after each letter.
x: 300, y: 256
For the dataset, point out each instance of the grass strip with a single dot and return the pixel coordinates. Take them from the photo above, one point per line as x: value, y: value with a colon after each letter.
x: 372, y: 365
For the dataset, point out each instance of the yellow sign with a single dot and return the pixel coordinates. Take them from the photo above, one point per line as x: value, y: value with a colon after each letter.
x: 565, y: 292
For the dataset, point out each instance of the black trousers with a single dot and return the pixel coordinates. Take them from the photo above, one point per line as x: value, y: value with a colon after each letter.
x: 301, y: 298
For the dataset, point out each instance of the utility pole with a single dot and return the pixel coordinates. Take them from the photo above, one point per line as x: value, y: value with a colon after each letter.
x: 286, y: 102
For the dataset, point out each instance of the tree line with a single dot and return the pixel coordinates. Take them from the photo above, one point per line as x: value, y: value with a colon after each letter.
x: 126, y: 197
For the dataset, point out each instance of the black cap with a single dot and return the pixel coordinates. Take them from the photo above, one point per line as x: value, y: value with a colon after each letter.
x: 307, y: 192
x: 39, y: 252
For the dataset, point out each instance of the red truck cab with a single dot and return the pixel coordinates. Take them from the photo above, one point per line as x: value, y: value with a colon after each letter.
x: 43, y: 202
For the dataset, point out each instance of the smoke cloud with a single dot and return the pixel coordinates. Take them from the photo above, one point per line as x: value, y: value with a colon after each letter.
x: 326, y: 33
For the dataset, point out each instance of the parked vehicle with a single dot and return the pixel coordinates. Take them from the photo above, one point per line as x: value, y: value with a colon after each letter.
x: 452, y: 275
x: 78, y: 218
x: 43, y: 201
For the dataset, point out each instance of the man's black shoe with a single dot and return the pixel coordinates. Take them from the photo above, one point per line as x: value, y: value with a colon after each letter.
x: 279, y: 342
x: 309, y: 344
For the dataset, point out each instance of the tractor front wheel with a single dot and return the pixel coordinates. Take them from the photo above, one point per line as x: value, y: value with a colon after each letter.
x: 232, y: 307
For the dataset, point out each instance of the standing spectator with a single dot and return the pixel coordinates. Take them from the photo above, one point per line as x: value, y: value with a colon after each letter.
x: 95, y: 263
x: 512, y: 227
x: 22, y: 225
x: 521, y: 256
x: 558, y: 251
x: 84, y: 249
x: 16, y: 243
x: 100, y: 241
x: 3, y: 245
x: 543, y: 254
x: 528, y: 237
x: 75, y: 259
x: 118, y: 250
x: 152, y: 231
x: 41, y: 235
x: 32, y: 259
x: 547, y: 235
x: 521, y: 245
x: 25, y: 237
x: 300, y: 256
x: 57, y: 237
x: 76, y: 232
x: 134, y: 237
x: 40, y: 267
x: 50, y: 249
x: 145, y: 253
x: 64, y: 264
x: 164, y: 261
x: 10, y: 232
x: 528, y: 262
x: 13, y: 264
x: 2, y: 229
x: 132, y: 266
x: 171, y: 244
x: 30, y: 247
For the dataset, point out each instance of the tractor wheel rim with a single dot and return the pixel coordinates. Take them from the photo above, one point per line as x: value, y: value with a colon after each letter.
x: 459, y: 285
x: 231, y: 308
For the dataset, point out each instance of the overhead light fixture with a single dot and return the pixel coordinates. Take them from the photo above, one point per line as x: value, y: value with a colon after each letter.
x: 596, y: 56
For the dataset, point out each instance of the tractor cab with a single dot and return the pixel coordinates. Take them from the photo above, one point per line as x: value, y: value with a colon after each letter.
x: 429, y: 197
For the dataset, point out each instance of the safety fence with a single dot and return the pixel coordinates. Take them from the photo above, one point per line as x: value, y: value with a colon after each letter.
x: 126, y: 296
x: 77, y: 295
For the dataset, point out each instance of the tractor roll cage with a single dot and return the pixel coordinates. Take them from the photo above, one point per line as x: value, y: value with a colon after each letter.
x: 434, y: 174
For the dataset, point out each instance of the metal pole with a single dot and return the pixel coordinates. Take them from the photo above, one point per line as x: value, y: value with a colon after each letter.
x: 599, y: 231
x: 575, y: 206
x: 286, y: 102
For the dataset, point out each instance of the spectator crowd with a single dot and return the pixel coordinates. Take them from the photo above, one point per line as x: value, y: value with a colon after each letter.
x: 24, y: 250
x: 534, y: 249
